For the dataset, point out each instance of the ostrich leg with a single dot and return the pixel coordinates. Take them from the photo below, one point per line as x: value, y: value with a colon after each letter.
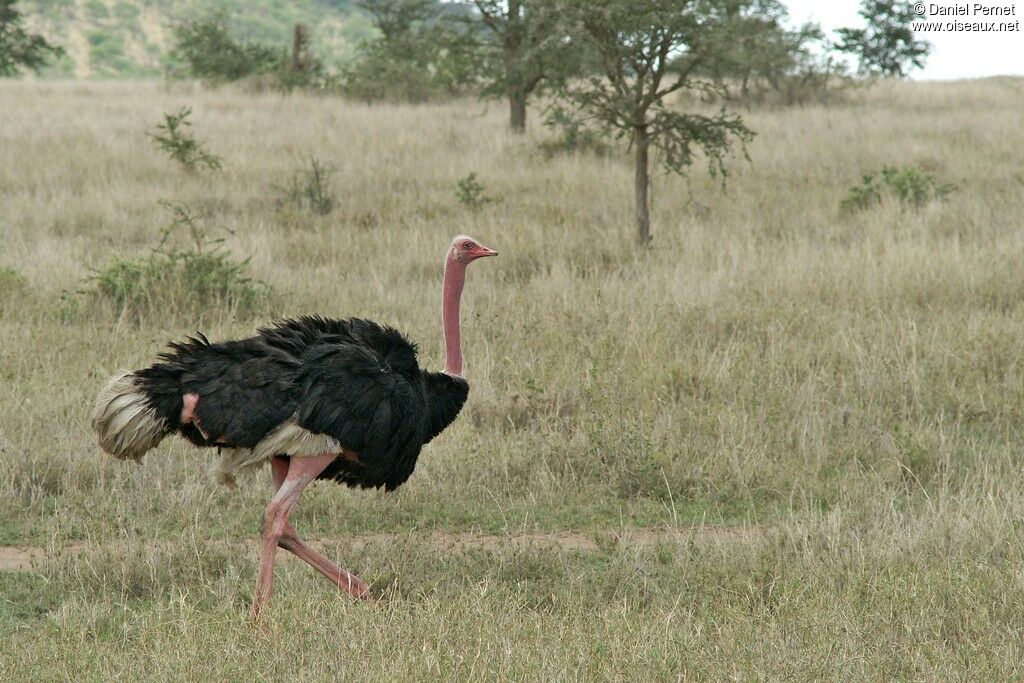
x: 301, y: 471
x: 291, y: 542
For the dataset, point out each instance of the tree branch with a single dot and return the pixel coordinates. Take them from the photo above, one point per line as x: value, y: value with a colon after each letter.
x: 488, y: 17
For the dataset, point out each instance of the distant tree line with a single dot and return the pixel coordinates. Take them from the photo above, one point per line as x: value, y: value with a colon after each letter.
x: 607, y: 68
x: 612, y: 65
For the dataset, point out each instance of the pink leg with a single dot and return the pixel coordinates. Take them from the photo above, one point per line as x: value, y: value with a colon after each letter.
x: 341, y: 578
x: 301, y: 471
x: 291, y: 542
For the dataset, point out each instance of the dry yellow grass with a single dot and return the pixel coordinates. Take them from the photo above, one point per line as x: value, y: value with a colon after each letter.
x: 853, y: 382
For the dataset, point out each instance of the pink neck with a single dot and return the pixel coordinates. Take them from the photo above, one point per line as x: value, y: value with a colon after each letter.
x: 454, y: 279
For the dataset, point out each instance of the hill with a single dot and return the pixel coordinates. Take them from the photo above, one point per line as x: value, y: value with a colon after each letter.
x: 132, y: 38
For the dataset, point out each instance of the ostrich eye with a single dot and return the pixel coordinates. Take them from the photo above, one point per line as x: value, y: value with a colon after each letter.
x: 468, y: 245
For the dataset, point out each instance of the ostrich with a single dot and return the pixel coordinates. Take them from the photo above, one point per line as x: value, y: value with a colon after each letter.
x: 318, y: 398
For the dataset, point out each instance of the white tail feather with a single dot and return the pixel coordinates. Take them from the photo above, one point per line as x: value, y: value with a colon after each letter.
x: 128, y: 427
x: 125, y: 422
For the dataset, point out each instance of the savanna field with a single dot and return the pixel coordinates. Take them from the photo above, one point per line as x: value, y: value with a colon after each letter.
x: 784, y: 443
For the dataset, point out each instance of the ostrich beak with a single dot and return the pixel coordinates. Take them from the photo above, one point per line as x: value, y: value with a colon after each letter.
x: 485, y: 251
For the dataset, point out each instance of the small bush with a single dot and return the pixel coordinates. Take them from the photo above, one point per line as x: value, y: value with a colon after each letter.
x: 309, y: 189
x: 181, y: 145
x: 910, y: 186
x: 175, y: 278
x: 470, y: 192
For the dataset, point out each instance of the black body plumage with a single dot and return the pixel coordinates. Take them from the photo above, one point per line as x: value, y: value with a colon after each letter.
x: 353, y: 380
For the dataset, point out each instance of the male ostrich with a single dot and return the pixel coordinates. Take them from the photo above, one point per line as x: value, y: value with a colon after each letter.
x: 318, y: 398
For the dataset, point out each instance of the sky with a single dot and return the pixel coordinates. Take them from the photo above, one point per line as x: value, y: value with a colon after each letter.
x: 955, y: 53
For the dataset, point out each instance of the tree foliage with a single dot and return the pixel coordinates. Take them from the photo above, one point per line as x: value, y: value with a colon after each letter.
x: 20, y: 49
x: 422, y: 54
x: 528, y: 49
x: 886, y: 46
x: 635, y: 42
x: 207, y: 49
x: 211, y: 54
x: 766, y: 57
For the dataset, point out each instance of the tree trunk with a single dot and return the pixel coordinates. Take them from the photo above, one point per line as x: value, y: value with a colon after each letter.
x: 514, y: 77
x: 641, y: 186
x: 517, y: 110
x: 300, y: 42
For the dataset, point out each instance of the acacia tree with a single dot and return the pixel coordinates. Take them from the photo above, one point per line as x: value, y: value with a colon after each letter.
x: 20, y: 49
x: 646, y: 50
x: 886, y: 47
x: 207, y: 50
x: 396, y: 19
x: 422, y: 53
x: 531, y: 47
x: 766, y: 55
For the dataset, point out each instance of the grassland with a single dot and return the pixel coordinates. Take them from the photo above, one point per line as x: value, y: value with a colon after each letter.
x: 842, y: 394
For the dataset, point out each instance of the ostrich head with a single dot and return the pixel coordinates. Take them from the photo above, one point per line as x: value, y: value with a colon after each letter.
x: 463, y: 251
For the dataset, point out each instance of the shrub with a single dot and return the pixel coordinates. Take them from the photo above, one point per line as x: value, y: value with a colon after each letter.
x: 909, y: 185
x: 470, y: 192
x: 181, y: 145
x: 175, y: 278
x: 309, y: 189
